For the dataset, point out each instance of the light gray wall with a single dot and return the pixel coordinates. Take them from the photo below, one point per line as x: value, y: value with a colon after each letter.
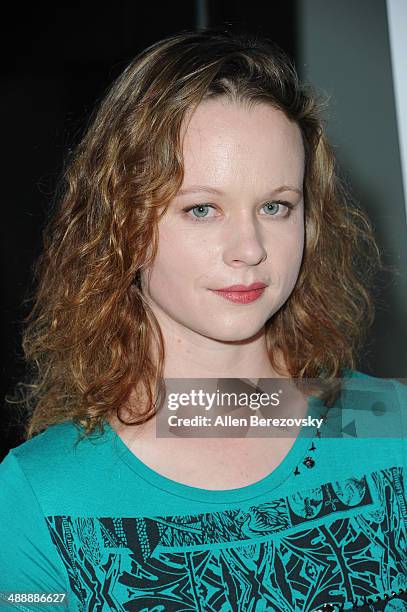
x: 397, y: 23
x: 343, y: 50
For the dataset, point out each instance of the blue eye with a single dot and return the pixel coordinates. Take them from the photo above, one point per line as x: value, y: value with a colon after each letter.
x: 200, y: 208
x: 268, y: 207
x: 200, y: 211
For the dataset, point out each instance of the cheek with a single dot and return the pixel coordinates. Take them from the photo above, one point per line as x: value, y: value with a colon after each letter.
x: 297, y: 248
x: 286, y: 255
x: 178, y: 262
x: 287, y: 248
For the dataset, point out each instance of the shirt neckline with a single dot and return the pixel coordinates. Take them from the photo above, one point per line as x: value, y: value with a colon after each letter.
x: 279, y: 475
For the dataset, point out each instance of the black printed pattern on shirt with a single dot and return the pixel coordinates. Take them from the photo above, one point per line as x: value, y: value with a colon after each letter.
x: 337, y: 543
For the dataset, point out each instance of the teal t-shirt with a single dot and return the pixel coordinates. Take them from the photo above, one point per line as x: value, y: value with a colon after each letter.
x: 95, y: 526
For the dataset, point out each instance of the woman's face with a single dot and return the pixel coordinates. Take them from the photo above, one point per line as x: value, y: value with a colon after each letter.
x: 241, y: 164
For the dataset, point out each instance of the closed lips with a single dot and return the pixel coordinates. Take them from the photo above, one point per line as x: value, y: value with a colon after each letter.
x: 251, y: 287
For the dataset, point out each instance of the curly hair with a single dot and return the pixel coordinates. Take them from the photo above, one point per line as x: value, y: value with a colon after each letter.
x: 89, y: 333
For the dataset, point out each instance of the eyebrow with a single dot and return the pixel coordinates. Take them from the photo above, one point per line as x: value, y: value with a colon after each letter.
x: 209, y: 189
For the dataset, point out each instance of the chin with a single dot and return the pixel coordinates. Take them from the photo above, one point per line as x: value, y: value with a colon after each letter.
x: 233, y: 334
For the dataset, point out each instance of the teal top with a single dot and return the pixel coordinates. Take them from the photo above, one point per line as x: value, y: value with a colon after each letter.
x: 91, y: 527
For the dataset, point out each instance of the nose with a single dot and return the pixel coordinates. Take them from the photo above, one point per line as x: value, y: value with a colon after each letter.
x: 243, y: 241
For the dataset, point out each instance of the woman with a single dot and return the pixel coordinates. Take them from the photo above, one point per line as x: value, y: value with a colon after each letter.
x: 202, y: 233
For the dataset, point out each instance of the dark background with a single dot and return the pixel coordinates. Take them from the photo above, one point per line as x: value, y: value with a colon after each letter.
x: 57, y: 64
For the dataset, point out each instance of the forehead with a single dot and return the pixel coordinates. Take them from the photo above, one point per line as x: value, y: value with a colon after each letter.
x: 223, y: 137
